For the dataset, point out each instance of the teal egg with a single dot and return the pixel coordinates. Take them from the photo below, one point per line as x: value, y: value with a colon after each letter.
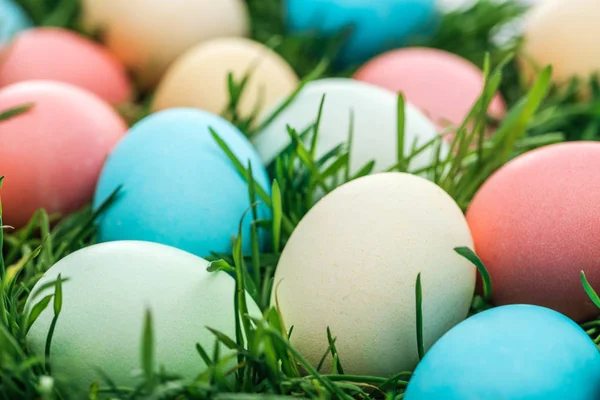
x: 179, y: 187
x: 13, y: 19
x: 512, y: 352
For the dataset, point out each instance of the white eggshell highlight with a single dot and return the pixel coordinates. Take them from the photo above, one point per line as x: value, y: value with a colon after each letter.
x: 352, y: 263
x: 374, y: 111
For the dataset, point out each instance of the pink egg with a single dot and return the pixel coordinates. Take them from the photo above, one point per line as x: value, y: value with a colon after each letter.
x: 536, y: 223
x: 60, y: 55
x: 51, y: 155
x: 443, y: 85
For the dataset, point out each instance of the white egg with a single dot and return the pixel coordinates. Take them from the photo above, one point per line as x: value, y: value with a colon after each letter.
x: 110, y: 286
x: 564, y: 33
x: 375, y: 124
x: 199, y: 78
x: 148, y: 35
x: 352, y: 264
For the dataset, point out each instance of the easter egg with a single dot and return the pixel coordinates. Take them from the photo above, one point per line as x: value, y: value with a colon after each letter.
x: 375, y: 115
x: 12, y: 20
x: 179, y: 188
x: 376, y: 25
x: 108, y: 291
x: 351, y: 265
x: 442, y: 85
x: 532, y: 223
x: 503, y: 353
x: 561, y: 33
x: 61, y: 55
x: 199, y: 78
x: 149, y: 36
x: 52, y: 154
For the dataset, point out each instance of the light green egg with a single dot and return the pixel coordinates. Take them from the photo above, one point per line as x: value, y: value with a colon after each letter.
x: 110, y: 286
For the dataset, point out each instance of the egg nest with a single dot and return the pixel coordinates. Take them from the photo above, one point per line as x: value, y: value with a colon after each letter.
x: 267, y: 365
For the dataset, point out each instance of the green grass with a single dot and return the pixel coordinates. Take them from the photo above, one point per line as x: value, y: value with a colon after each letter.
x: 267, y: 365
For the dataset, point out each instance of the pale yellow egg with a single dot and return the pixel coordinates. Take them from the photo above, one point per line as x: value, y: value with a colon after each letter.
x: 563, y: 33
x: 148, y: 35
x: 199, y: 78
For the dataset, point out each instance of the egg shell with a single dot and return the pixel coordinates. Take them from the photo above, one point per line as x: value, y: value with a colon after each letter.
x: 61, y: 55
x: 377, y: 25
x: 375, y: 113
x: 352, y: 262
x: 52, y: 154
x: 110, y: 288
x: 199, y: 78
x: 149, y: 36
x: 179, y: 188
x: 561, y: 33
x: 503, y: 353
x: 532, y: 223
x: 442, y: 85
x: 13, y: 19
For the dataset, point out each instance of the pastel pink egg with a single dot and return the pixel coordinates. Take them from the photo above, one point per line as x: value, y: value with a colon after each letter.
x: 443, y: 85
x: 52, y: 154
x: 536, y: 225
x: 61, y: 55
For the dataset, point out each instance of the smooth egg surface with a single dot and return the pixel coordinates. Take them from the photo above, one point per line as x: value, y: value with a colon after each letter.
x: 13, y: 19
x: 149, y: 35
x: 500, y: 354
x: 562, y: 33
x: 199, y: 78
x: 61, y: 55
x: 376, y: 25
x: 179, y: 188
x: 374, y: 115
x: 532, y: 223
x: 109, y: 289
x: 52, y: 154
x: 352, y: 264
x: 442, y: 85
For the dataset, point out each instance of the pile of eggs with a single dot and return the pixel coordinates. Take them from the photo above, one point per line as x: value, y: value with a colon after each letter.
x: 352, y: 262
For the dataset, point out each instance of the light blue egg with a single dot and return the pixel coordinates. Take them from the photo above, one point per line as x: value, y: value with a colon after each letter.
x: 178, y: 186
x: 12, y: 20
x: 507, y: 353
x: 379, y: 25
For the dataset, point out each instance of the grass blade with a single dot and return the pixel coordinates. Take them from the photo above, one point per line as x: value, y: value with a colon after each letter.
x: 485, y: 275
x: 419, y: 305
x: 590, y: 290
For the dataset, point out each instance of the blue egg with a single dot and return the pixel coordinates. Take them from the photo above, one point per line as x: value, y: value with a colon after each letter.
x: 12, y: 20
x: 179, y: 188
x: 512, y: 352
x: 379, y: 25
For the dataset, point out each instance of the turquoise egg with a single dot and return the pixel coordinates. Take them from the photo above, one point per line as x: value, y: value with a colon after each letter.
x: 378, y: 25
x: 512, y: 352
x: 179, y: 188
x: 13, y: 19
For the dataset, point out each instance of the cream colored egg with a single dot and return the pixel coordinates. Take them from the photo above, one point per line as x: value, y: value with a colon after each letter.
x: 110, y: 286
x: 563, y: 33
x: 375, y: 113
x: 148, y: 35
x: 199, y: 78
x: 352, y: 263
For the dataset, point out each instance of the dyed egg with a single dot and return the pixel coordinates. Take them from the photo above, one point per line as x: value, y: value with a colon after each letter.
x: 199, y: 78
x: 443, y: 85
x: 61, y: 55
x: 352, y: 263
x: 377, y: 25
x: 149, y: 36
x: 178, y: 187
x: 561, y: 33
x: 375, y: 124
x: 532, y: 223
x: 500, y: 354
x: 110, y: 288
x: 52, y: 154
x: 12, y: 20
